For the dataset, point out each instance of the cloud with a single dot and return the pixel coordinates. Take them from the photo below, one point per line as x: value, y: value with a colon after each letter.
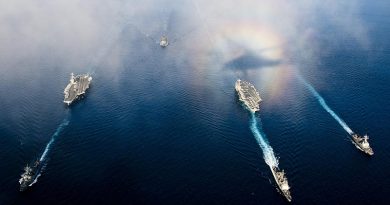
x: 75, y: 30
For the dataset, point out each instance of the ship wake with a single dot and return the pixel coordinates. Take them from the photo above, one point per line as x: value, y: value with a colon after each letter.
x: 36, y: 179
x: 44, y: 157
x: 268, y: 152
x: 64, y: 123
x: 322, y: 102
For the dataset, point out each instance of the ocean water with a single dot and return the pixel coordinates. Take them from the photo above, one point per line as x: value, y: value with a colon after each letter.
x: 164, y: 125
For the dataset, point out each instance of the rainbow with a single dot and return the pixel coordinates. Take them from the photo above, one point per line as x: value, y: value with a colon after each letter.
x: 232, y: 40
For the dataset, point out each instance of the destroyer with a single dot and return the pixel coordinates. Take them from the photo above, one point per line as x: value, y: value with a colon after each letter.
x: 77, y: 86
x: 362, y: 143
x: 164, y: 41
x: 282, y: 182
x: 29, y: 175
x: 248, y: 94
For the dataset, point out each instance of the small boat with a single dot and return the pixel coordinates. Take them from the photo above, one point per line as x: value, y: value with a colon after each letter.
x: 164, y: 41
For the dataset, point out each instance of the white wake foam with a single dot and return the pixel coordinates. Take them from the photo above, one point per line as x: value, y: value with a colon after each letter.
x: 43, y: 158
x: 268, y: 152
x: 325, y: 106
x: 64, y: 123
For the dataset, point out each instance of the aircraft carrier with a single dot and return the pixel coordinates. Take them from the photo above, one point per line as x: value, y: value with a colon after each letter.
x: 29, y: 176
x: 77, y: 86
x: 248, y: 94
x: 281, y: 180
x: 362, y: 143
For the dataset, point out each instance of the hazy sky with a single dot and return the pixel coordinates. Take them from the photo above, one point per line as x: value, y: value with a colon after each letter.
x: 76, y: 30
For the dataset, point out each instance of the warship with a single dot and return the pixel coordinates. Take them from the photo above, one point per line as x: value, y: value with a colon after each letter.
x: 248, y: 94
x: 29, y: 176
x: 362, y: 143
x: 77, y: 86
x: 164, y: 41
x: 281, y: 180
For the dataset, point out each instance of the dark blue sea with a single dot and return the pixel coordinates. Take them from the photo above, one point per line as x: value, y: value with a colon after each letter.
x: 165, y: 126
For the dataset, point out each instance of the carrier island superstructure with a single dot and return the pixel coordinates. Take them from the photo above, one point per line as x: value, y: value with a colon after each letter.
x: 77, y: 86
x: 248, y: 94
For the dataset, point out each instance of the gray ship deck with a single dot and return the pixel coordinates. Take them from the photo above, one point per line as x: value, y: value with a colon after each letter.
x: 80, y: 85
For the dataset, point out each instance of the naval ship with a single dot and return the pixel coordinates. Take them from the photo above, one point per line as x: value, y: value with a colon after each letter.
x: 248, y: 94
x: 281, y: 180
x: 77, y: 86
x: 164, y: 41
x: 362, y: 143
x: 29, y: 175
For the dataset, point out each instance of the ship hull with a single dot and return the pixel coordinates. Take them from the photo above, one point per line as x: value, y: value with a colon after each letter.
x: 250, y: 104
x: 367, y: 151
x: 286, y: 194
x: 76, y: 88
x: 252, y: 110
x: 164, y: 42
x: 25, y: 184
